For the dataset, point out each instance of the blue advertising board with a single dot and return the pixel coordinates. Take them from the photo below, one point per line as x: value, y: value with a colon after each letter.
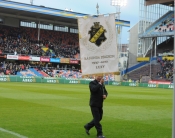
x: 55, y: 60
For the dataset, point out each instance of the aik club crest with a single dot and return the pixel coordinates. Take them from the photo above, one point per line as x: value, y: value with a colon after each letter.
x: 97, y: 34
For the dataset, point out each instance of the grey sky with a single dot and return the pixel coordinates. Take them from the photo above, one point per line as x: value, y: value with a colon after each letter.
x: 129, y: 12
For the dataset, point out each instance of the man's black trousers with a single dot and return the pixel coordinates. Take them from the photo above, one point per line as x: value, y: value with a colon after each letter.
x: 97, y: 113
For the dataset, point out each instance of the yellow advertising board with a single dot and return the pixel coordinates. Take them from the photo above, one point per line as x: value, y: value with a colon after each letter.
x: 168, y: 58
x: 141, y: 59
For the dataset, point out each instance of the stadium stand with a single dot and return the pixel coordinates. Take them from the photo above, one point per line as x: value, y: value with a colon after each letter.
x: 144, y: 71
x: 155, y: 39
x: 38, y: 70
x: 139, y: 65
x: 23, y: 40
x: 27, y: 72
x: 77, y: 74
x: 163, y: 25
x: 44, y: 74
x: 12, y: 68
x: 67, y: 74
x: 29, y: 35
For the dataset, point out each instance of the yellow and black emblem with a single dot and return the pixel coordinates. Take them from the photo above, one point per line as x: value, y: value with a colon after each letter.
x: 97, y: 34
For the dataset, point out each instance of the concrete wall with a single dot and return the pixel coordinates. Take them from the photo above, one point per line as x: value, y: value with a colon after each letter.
x: 123, y: 62
x: 133, y: 44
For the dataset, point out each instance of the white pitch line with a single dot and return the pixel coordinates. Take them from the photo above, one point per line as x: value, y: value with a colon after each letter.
x: 13, y: 133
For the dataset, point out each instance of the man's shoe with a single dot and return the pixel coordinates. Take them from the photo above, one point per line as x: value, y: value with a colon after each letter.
x: 100, y: 136
x: 86, y: 130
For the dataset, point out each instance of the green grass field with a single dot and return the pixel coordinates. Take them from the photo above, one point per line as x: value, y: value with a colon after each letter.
x: 60, y: 111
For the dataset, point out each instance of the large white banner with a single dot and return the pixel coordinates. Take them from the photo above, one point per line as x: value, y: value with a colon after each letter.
x: 98, y: 44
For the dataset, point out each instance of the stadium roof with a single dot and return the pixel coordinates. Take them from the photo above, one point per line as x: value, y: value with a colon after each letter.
x: 164, y: 2
x: 44, y: 14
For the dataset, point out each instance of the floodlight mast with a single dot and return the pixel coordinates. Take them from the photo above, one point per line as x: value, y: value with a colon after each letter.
x: 31, y: 1
x: 118, y: 4
x: 97, y: 7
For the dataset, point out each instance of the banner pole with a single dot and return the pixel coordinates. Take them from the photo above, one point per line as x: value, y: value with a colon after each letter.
x: 173, y: 122
x: 173, y: 119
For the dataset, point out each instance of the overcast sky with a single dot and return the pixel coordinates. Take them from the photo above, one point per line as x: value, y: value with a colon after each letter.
x: 129, y: 12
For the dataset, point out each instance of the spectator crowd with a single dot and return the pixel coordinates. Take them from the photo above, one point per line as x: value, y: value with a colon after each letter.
x: 166, y: 71
x: 166, y: 25
x: 24, y: 41
x: 11, y: 68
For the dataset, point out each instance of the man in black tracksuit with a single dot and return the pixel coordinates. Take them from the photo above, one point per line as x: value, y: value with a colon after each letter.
x: 98, y: 95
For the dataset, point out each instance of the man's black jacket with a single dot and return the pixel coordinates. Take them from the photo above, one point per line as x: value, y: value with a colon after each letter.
x: 97, y: 91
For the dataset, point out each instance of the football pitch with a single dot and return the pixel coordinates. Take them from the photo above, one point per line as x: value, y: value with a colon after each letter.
x: 33, y: 110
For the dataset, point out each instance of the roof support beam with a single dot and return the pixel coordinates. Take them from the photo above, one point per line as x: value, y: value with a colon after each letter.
x: 38, y: 19
x: 151, y: 2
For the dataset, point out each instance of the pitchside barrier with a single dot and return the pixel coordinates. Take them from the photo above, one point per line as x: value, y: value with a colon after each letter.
x: 28, y: 79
